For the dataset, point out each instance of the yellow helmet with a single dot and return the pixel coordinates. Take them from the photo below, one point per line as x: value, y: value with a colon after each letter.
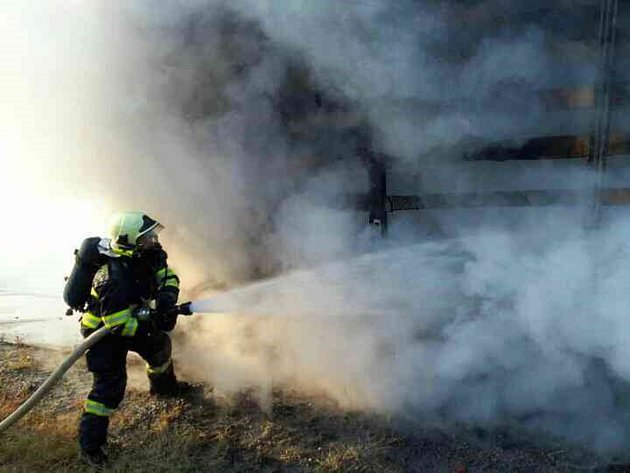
x: 125, y: 228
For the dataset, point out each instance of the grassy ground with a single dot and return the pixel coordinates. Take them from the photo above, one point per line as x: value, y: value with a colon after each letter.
x: 203, y: 433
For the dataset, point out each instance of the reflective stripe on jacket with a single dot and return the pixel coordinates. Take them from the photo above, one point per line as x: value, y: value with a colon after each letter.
x: 125, y: 283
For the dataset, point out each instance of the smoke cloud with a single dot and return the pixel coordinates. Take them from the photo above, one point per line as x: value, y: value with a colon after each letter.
x: 242, y: 126
x: 493, y: 327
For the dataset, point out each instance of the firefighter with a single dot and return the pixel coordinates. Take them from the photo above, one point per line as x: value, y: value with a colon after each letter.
x: 131, y: 294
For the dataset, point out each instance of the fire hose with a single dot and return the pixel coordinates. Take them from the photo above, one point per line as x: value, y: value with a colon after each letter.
x: 57, y: 375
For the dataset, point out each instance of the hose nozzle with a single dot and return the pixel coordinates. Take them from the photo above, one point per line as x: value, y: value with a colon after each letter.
x: 185, y: 309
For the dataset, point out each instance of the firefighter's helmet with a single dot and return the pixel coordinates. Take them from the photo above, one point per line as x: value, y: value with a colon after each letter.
x: 127, y: 231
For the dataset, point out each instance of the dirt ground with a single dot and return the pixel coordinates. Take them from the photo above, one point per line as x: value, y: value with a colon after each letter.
x: 206, y: 433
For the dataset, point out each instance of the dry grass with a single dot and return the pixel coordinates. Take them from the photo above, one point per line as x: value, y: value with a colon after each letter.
x: 206, y: 434
x: 21, y: 359
x: 40, y: 442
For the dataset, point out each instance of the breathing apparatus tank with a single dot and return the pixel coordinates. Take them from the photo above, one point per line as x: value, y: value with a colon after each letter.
x: 88, y: 259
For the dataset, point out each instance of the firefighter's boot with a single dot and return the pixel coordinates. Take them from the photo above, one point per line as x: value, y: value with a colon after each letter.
x: 165, y: 384
x: 97, y: 458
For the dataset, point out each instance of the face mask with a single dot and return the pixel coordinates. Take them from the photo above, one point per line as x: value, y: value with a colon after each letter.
x: 148, y: 241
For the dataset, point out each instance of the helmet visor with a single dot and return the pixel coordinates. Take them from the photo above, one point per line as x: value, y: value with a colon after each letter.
x: 149, y: 239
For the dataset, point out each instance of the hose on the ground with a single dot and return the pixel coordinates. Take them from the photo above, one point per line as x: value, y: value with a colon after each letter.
x: 181, y: 309
x: 53, y: 378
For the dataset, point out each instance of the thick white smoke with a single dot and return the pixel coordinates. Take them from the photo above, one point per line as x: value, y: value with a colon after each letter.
x: 398, y: 61
x: 238, y: 124
x: 494, y: 327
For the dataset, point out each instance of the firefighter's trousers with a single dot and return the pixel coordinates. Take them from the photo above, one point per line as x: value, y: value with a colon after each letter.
x: 107, y: 361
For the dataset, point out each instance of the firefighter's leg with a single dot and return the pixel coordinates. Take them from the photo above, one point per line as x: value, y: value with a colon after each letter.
x: 156, y: 351
x: 107, y: 362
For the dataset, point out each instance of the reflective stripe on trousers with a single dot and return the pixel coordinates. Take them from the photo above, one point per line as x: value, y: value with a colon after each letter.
x: 159, y: 369
x: 97, y: 408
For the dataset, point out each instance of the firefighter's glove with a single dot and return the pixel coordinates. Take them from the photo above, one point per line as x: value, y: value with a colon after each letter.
x: 166, y: 321
x: 165, y: 301
x: 166, y: 310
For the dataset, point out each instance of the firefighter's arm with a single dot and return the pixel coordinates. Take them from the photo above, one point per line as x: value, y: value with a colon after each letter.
x: 166, y: 298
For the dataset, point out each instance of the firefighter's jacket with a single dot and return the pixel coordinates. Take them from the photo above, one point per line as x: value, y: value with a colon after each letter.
x: 126, y: 283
